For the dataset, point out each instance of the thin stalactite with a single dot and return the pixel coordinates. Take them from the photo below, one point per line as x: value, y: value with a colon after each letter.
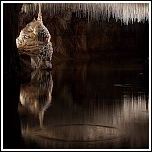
x: 96, y: 11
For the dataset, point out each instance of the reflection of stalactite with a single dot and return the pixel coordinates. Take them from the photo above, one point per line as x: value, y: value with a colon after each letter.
x: 97, y: 11
x: 36, y: 95
x: 41, y: 115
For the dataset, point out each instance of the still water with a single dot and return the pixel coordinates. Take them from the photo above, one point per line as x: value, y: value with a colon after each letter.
x: 86, y: 104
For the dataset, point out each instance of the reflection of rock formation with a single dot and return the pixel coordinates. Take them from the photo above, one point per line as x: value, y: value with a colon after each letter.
x: 34, y: 40
x: 36, y: 95
x: 77, y: 80
x: 72, y: 121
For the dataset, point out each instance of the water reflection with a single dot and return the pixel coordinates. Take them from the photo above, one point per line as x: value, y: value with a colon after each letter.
x: 36, y: 96
x: 94, y: 105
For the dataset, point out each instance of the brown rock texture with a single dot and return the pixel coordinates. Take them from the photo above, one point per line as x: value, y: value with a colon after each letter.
x: 76, y: 38
x: 34, y: 41
x: 68, y: 33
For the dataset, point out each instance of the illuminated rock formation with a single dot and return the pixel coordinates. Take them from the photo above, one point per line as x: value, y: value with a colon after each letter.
x: 34, y: 40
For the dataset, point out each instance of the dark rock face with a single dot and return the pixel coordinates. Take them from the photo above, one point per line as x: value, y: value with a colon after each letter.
x: 10, y: 29
x: 68, y: 35
x: 25, y: 62
x: 115, y: 38
x: 12, y: 137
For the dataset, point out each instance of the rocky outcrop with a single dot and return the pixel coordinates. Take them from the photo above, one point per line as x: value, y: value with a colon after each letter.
x: 34, y: 42
x: 68, y: 33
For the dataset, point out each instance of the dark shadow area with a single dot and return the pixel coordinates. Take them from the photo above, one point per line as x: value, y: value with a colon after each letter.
x: 12, y: 137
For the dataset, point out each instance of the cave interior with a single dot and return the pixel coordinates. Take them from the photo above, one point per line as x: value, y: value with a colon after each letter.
x: 78, y: 31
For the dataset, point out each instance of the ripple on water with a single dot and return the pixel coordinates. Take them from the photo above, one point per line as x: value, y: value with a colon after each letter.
x: 77, y: 133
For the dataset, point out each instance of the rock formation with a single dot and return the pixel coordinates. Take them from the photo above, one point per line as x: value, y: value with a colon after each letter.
x: 76, y: 37
x: 70, y: 36
x: 34, y: 41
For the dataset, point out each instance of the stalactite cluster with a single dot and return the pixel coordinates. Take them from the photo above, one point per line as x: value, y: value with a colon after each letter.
x: 126, y: 12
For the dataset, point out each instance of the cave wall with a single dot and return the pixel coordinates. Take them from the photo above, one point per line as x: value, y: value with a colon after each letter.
x: 11, y: 59
x: 12, y: 137
x: 68, y: 33
x: 74, y: 37
x: 115, y: 38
